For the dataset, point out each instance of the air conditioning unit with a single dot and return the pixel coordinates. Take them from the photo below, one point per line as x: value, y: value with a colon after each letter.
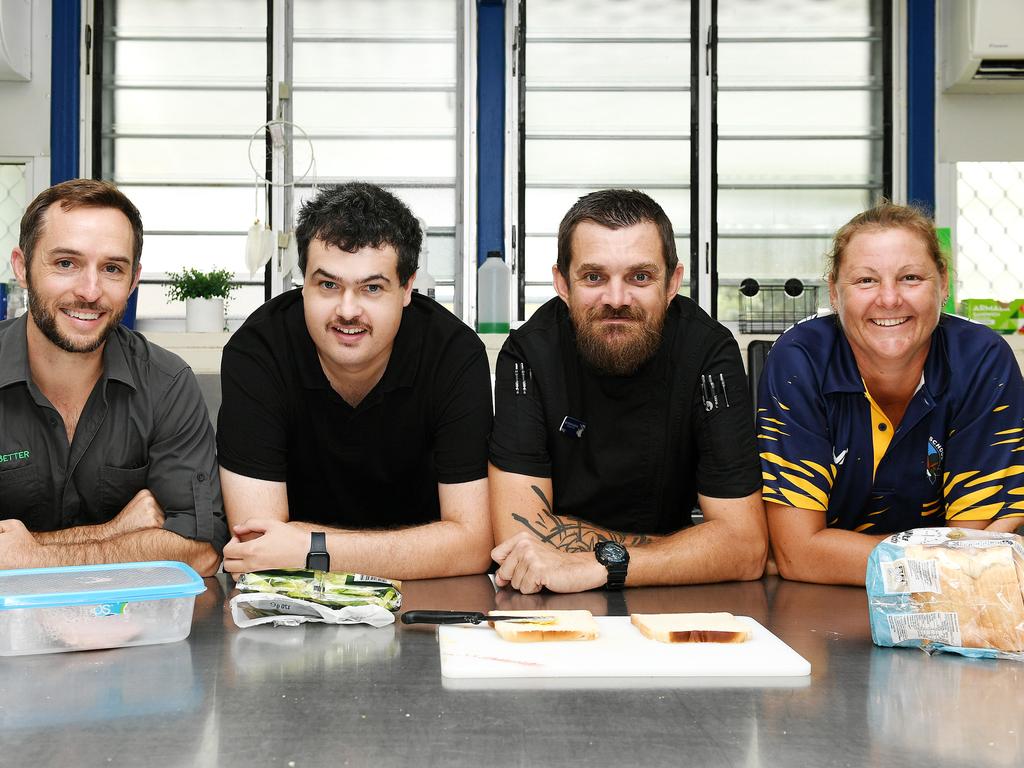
x: 984, y: 46
x: 16, y: 40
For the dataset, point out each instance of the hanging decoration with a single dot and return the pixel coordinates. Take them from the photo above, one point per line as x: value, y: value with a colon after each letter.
x: 262, y: 242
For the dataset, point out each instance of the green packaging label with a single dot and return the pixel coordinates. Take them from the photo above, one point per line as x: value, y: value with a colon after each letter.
x: 1000, y: 317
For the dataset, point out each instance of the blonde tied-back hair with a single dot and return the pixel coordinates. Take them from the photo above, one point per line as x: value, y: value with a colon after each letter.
x: 885, y: 215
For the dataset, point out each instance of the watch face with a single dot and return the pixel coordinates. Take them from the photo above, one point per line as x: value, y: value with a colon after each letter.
x: 610, y: 552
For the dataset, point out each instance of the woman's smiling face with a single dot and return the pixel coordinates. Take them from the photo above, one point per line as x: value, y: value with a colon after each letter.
x: 888, y: 293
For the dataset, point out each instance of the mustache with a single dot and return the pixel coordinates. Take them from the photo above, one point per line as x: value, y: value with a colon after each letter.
x: 342, y: 323
x: 607, y: 312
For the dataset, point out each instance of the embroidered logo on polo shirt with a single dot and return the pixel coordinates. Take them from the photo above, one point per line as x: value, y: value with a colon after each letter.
x: 839, y: 458
x: 933, y: 465
x: 14, y: 456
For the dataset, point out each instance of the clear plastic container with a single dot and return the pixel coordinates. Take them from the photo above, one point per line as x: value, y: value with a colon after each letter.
x: 83, y: 607
x: 494, y: 309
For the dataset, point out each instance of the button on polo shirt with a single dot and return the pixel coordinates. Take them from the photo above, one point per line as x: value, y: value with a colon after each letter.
x: 376, y: 465
x: 144, y: 425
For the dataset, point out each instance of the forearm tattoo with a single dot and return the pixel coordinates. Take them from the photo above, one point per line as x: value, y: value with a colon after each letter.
x: 570, y: 534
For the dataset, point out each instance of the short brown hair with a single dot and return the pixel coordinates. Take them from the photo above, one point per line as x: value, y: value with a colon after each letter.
x: 885, y: 215
x: 78, y: 193
x: 615, y: 209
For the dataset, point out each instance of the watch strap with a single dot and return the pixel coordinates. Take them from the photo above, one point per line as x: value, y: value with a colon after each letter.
x: 616, y: 570
x: 616, y: 575
x: 318, y: 558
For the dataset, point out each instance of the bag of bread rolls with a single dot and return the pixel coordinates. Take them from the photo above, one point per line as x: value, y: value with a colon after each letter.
x: 949, y: 589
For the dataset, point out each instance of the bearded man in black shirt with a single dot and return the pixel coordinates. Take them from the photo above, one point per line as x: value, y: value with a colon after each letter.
x: 619, y: 407
x: 353, y: 430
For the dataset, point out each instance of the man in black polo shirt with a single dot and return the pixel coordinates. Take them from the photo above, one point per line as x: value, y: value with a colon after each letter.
x: 619, y: 406
x: 106, y: 448
x: 353, y: 429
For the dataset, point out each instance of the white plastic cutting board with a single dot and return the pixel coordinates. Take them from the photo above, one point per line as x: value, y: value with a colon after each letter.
x: 620, y: 651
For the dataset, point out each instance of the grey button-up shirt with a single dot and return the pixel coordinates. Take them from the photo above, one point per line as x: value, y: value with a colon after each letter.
x: 145, y: 425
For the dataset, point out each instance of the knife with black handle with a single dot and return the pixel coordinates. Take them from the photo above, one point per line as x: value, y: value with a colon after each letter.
x: 467, y: 617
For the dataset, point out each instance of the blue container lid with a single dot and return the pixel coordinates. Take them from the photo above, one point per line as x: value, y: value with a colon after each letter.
x: 91, y: 584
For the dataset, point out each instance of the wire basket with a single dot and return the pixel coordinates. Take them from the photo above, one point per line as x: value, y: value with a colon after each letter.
x: 773, y: 308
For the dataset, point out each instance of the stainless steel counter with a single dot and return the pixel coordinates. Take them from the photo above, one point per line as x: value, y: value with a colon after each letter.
x: 334, y: 696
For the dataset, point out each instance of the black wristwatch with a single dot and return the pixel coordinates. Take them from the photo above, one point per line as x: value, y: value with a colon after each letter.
x: 615, y: 558
x: 318, y: 558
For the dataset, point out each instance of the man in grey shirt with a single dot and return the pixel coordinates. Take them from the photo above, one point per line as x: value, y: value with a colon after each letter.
x: 106, y: 449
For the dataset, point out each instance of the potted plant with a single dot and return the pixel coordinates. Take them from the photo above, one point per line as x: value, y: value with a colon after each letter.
x: 205, y: 295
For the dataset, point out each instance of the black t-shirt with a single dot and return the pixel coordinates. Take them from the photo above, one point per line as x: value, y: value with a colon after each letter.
x: 680, y: 425
x: 373, y: 466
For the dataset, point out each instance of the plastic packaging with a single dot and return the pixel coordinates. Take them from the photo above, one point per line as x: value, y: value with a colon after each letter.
x: 335, y: 590
x: 82, y: 607
x: 949, y: 589
x: 494, y: 307
x: 251, y: 609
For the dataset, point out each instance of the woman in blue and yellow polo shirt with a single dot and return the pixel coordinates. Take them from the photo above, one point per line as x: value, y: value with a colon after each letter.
x: 886, y: 415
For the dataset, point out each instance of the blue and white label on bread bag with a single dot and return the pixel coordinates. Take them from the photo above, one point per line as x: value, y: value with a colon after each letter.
x: 108, y: 609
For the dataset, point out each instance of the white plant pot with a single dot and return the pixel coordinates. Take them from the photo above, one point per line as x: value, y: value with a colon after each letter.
x: 204, y: 315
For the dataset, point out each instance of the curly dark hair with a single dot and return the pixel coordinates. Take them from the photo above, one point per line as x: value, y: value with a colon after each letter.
x: 615, y: 209
x: 358, y: 215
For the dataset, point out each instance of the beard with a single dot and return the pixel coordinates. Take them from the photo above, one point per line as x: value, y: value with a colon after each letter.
x: 620, y: 349
x: 45, y: 320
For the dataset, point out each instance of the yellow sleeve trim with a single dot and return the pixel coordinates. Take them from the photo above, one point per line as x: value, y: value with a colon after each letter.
x: 776, y: 421
x: 776, y: 429
x: 964, y: 506
x: 808, y: 487
x: 962, y: 476
x: 864, y: 527
x: 1010, y: 471
x: 768, y: 476
x: 986, y: 512
x: 1000, y: 408
x: 1013, y: 431
x: 776, y: 459
x: 800, y: 501
x: 1015, y: 505
x: 768, y: 437
x: 829, y: 476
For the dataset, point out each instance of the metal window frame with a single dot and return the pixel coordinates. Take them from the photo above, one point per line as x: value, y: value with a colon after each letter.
x: 97, y: 157
x: 704, y: 135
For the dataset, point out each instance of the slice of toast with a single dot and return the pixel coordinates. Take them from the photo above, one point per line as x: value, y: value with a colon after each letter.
x: 691, y: 627
x: 567, y: 625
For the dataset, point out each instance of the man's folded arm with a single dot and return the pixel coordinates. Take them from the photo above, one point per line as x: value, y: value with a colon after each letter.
x: 457, y: 544
x: 730, y: 545
x: 79, y: 534
x: 523, y: 503
x: 135, y: 546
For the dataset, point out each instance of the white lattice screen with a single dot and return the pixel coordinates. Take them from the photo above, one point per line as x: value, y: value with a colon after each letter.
x: 990, y: 231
